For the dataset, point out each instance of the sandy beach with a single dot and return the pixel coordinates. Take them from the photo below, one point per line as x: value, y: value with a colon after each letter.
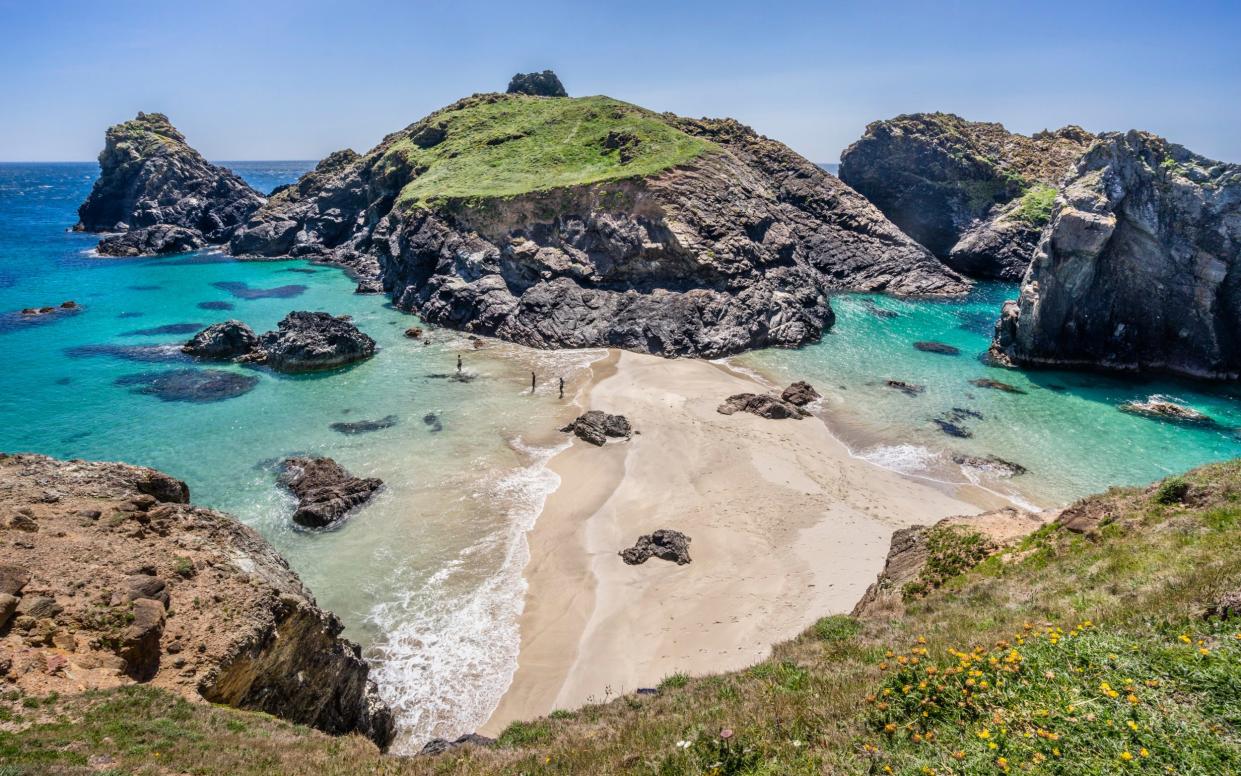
x: 786, y: 527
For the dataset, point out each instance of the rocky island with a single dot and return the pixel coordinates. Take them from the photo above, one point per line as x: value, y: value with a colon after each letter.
x: 160, y: 194
x: 975, y: 194
x: 580, y: 222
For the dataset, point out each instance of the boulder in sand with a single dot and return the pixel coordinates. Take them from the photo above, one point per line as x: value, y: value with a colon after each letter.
x: 762, y: 405
x: 596, y: 426
x: 672, y: 546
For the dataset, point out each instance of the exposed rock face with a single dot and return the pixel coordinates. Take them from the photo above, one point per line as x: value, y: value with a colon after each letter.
x: 595, y: 427
x: 544, y: 84
x: 118, y: 548
x: 307, y: 341
x: 1162, y: 408
x: 735, y: 249
x: 155, y: 240
x: 438, y: 746
x: 1140, y: 268
x: 325, y: 491
x: 800, y: 393
x: 149, y: 177
x: 948, y: 183
x: 669, y: 545
x: 228, y: 340
x: 762, y: 405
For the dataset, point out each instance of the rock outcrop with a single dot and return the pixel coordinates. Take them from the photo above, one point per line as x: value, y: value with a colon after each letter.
x: 800, y: 393
x: 596, y: 426
x: 1163, y: 408
x: 325, y: 491
x: 544, y: 84
x: 763, y: 405
x: 971, y: 192
x: 666, y: 544
x: 1139, y: 269
x: 228, y: 340
x: 688, y: 237
x: 117, y: 549
x: 302, y: 342
x: 149, y: 177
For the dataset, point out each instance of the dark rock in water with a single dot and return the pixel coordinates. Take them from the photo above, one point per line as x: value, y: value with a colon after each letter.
x: 216, y: 305
x: 737, y: 248
x: 978, y: 322
x: 952, y: 429
x: 989, y: 463
x: 937, y: 176
x: 666, y: 544
x: 433, y: 422
x: 325, y: 491
x: 909, y: 389
x: 413, y: 332
x: 544, y: 84
x: 596, y: 426
x: 64, y: 380
x: 37, y: 315
x: 172, y: 328
x: 302, y: 270
x: 193, y: 385
x: 800, y: 393
x: 878, y: 311
x: 762, y: 405
x: 928, y: 346
x: 1057, y: 387
x: 437, y: 746
x: 986, y: 382
x: 456, y: 377
x: 145, y: 288
x: 308, y: 341
x: 1138, y: 269
x: 364, y: 426
x: 1163, y: 408
x: 158, y: 240
x: 369, y: 286
x: 227, y: 340
x: 958, y: 414
x: 149, y: 354
x: 244, y: 291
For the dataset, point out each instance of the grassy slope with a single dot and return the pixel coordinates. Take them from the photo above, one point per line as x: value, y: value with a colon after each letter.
x: 1068, y: 656
x: 506, y: 145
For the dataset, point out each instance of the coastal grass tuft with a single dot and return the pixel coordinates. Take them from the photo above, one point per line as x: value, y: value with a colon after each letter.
x: 505, y: 145
x: 1035, y: 206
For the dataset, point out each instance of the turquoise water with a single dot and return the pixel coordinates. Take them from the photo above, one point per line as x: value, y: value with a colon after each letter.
x: 1065, y: 428
x: 427, y: 577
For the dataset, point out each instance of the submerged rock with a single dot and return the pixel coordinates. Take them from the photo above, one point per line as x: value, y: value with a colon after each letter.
x: 596, y: 426
x: 308, y: 341
x: 228, y: 340
x: 1162, y: 408
x: 928, y: 346
x: 800, y: 393
x: 544, y: 84
x: 325, y: 491
x: 171, y: 328
x: 153, y: 185
x: 989, y: 463
x: 1137, y: 269
x: 762, y: 405
x: 192, y: 385
x: 996, y: 385
x: 365, y: 426
x: 216, y: 305
x: 243, y: 290
x: 158, y: 240
x: 909, y: 389
x: 952, y: 428
x: 433, y: 423
x: 666, y: 544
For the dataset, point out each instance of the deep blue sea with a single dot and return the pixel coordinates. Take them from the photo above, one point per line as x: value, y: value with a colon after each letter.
x: 428, y: 577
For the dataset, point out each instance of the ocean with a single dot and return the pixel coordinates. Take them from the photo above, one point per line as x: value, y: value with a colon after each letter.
x: 428, y: 576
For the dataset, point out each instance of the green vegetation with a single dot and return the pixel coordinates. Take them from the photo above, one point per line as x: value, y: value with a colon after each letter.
x: 501, y: 146
x: 1035, y: 205
x: 1066, y: 654
x: 949, y: 552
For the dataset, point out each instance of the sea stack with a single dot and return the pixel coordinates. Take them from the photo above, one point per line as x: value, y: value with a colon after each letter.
x: 590, y: 222
x: 972, y: 192
x: 1138, y: 270
x: 161, y: 193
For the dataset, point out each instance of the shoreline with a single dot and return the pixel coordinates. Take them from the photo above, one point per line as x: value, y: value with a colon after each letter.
x: 787, y: 525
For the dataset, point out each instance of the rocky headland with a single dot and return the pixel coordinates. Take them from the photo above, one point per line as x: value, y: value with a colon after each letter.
x: 975, y: 194
x: 583, y: 222
x: 1138, y: 269
x: 160, y: 193
x: 109, y: 577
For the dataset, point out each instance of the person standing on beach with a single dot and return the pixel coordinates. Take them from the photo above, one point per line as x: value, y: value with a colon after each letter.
x: 532, y: 379
x: 458, y: 363
x: 562, y: 387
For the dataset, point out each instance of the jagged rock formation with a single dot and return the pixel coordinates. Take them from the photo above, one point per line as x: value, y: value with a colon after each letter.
x: 150, y: 178
x: 969, y: 191
x: 596, y: 426
x: 666, y: 544
x: 686, y: 237
x: 302, y: 342
x: 1139, y: 269
x: 770, y: 407
x: 800, y: 393
x: 228, y: 340
x: 544, y: 84
x: 325, y: 491
x: 109, y: 551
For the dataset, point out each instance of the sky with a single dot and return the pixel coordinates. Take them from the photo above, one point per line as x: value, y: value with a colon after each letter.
x: 297, y: 80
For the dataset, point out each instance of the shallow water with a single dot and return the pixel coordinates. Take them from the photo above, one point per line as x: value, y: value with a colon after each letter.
x: 428, y: 576
x: 1065, y: 428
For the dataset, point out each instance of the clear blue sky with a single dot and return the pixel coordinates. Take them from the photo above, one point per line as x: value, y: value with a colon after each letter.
x: 296, y: 80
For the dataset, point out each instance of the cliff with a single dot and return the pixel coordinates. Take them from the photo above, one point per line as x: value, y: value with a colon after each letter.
x: 582, y: 222
x: 972, y: 192
x: 150, y: 180
x: 110, y: 577
x: 1139, y: 269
